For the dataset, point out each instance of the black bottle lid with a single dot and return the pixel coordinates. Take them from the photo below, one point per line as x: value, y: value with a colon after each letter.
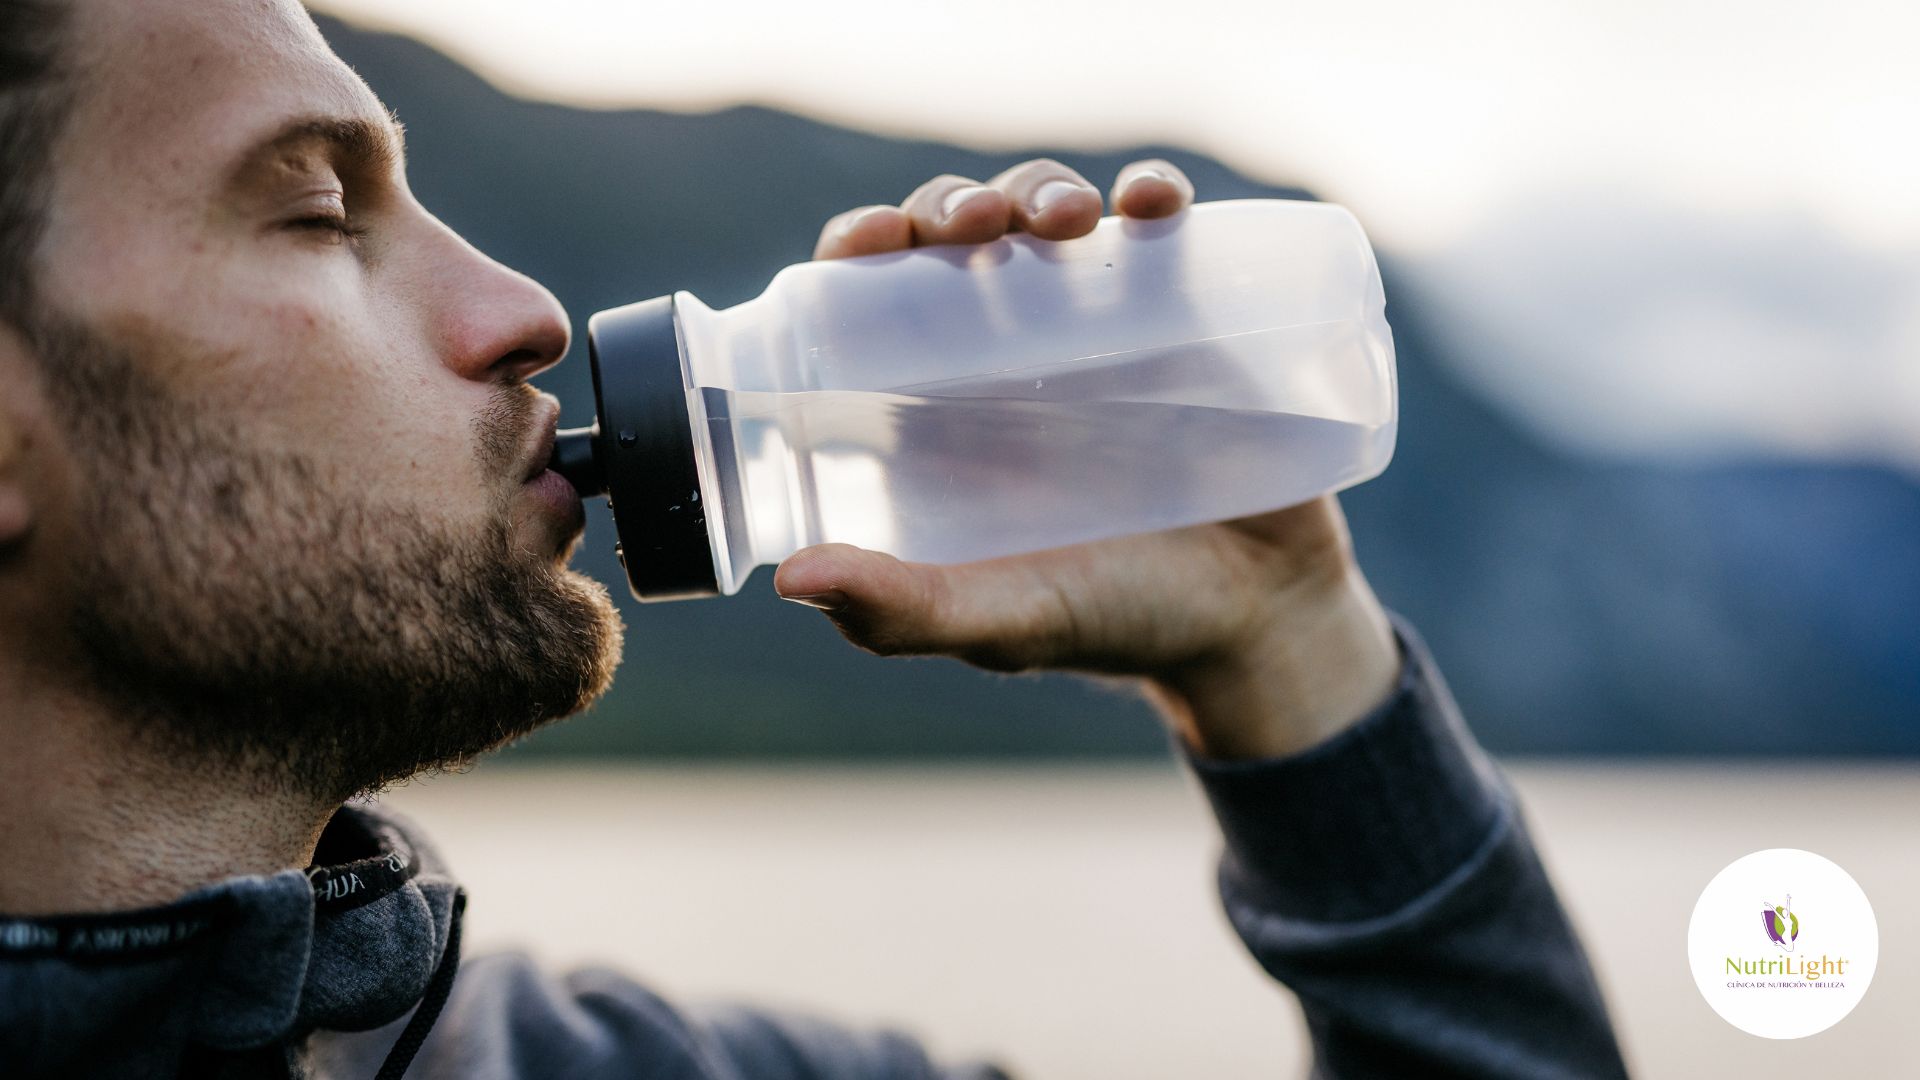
x: 641, y: 453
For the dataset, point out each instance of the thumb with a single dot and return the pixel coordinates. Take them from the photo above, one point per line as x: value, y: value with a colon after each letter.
x: 991, y: 614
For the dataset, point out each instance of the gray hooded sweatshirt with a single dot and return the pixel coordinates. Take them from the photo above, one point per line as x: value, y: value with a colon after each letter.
x: 1385, y: 877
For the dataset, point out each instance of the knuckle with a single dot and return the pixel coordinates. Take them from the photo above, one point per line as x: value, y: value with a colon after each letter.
x: 1029, y: 641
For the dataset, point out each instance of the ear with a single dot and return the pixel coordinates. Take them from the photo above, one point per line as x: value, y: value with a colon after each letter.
x: 16, y: 441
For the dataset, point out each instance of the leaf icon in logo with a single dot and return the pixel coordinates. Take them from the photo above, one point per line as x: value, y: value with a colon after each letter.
x: 1781, y: 924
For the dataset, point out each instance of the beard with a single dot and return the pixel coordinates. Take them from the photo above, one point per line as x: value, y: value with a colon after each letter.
x: 239, y: 611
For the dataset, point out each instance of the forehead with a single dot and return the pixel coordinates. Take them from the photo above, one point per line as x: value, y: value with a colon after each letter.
x: 173, y: 88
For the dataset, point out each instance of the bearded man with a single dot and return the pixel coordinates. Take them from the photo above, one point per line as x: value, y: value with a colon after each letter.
x: 276, y: 530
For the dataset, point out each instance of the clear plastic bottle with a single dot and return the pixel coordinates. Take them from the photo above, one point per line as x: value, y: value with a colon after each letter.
x: 946, y: 404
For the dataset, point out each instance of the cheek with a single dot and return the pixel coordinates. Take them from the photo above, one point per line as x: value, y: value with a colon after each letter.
x: 292, y: 350
x: 330, y: 381
x: 350, y: 392
x: 342, y: 378
x: 296, y: 370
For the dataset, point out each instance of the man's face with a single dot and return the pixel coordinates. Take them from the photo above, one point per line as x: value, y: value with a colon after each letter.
x: 300, y: 520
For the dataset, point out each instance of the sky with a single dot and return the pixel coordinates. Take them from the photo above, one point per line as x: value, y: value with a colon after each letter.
x: 1525, y: 154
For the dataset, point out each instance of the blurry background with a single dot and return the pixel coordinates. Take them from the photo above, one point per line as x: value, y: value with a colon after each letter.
x: 1653, y: 270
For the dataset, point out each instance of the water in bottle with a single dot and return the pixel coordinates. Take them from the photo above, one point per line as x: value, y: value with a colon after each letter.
x: 947, y: 404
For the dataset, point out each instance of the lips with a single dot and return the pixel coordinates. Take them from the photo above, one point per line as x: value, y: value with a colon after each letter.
x: 544, y: 454
x: 540, y: 452
x: 558, y: 501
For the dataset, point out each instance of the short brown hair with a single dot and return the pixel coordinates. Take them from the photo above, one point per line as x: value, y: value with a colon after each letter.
x: 33, y: 108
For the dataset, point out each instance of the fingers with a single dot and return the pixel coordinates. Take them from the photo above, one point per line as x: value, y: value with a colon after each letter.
x: 955, y: 210
x: 1041, y: 196
x: 866, y: 230
x: 1049, y: 200
x: 1153, y: 188
x: 985, y: 615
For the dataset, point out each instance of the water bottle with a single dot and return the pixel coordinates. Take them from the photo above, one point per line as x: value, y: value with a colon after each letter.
x: 945, y: 404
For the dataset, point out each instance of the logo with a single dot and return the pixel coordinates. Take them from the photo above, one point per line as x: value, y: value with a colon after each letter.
x: 1794, y: 979
x: 1783, y: 926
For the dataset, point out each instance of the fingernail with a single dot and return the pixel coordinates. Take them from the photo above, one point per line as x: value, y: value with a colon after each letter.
x: 955, y: 198
x: 853, y: 222
x: 1148, y: 174
x: 831, y: 600
x: 1052, y: 192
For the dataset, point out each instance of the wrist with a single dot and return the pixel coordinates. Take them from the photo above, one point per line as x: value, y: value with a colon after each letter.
x: 1318, y: 658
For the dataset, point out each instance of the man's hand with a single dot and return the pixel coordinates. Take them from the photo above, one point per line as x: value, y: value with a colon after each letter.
x: 1256, y: 637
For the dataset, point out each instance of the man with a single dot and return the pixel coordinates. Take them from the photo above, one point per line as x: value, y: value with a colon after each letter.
x: 274, y: 532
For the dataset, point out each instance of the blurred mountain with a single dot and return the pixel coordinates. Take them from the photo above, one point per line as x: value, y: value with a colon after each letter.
x: 1627, y: 324
x: 1575, y: 606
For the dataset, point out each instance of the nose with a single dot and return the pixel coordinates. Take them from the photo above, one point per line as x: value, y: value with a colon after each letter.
x: 495, y: 323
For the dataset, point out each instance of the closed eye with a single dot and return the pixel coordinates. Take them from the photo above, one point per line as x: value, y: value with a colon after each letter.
x: 337, y: 228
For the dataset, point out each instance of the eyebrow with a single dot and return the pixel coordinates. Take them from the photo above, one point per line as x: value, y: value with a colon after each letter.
x: 356, y: 144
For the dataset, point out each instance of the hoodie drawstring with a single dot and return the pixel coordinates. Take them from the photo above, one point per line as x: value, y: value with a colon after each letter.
x: 435, y: 999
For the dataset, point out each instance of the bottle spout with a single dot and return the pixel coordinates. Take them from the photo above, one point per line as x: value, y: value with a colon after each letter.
x: 573, y: 458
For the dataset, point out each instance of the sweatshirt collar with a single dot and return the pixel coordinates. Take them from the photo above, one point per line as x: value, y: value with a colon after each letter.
x: 347, y: 945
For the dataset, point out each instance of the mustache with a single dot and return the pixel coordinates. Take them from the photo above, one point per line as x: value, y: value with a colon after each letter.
x: 504, y: 426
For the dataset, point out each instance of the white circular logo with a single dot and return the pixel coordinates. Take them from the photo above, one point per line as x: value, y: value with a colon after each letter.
x: 1783, y: 943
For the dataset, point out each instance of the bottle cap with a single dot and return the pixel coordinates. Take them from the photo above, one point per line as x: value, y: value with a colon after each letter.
x: 643, y: 452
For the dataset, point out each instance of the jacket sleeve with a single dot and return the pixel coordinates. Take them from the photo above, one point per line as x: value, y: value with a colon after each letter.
x: 791, y: 1046
x: 508, y: 1019
x: 1386, y: 877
